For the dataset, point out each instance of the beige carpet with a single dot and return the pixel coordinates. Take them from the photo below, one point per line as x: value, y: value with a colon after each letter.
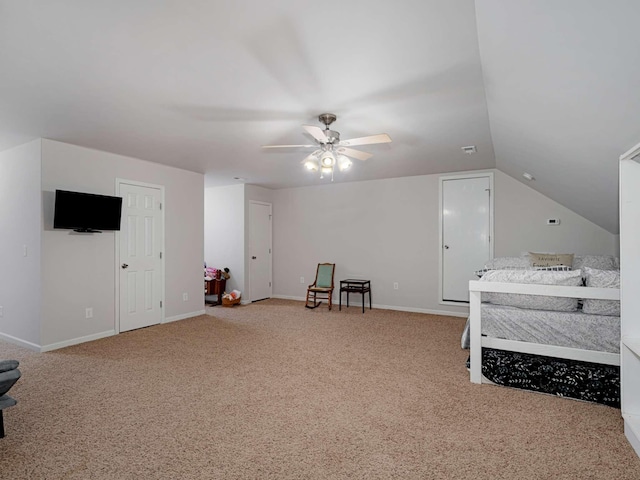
x: 274, y: 390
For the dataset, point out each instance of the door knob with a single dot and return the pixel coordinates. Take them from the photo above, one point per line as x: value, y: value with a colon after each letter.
x: 124, y: 265
x: 254, y: 257
x: 446, y: 247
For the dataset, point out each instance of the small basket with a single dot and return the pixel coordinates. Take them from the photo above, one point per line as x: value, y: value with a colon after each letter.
x: 230, y: 303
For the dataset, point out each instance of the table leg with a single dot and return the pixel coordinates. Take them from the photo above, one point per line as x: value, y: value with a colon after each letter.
x: 340, y: 307
x: 369, y: 299
x: 362, y: 302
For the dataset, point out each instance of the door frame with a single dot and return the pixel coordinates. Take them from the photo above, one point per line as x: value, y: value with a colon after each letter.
x: 248, y: 255
x: 441, y: 181
x: 120, y: 181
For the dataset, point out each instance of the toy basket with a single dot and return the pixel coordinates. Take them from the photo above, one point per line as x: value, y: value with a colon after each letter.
x: 230, y: 303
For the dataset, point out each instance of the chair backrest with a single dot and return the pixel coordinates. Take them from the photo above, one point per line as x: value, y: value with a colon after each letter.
x: 324, y: 275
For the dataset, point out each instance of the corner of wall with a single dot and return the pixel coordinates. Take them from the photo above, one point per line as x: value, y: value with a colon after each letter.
x: 20, y: 243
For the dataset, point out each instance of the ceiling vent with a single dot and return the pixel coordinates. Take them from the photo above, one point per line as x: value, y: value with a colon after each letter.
x: 469, y: 150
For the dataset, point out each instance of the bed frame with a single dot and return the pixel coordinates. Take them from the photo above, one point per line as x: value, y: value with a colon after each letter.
x: 477, y: 341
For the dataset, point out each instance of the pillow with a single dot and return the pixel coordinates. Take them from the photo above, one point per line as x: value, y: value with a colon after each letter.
x: 555, y: 268
x: 599, y: 262
x: 504, y: 263
x: 550, y: 259
x: 533, y: 302
x: 601, y: 279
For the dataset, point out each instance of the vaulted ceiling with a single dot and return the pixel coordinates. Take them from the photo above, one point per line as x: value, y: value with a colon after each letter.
x: 548, y: 87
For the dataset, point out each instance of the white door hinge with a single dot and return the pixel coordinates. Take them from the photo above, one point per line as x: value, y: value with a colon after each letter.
x: 160, y: 254
x: 160, y: 205
x: 160, y: 303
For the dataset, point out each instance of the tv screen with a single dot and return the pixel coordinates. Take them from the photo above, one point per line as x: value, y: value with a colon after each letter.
x: 86, y: 212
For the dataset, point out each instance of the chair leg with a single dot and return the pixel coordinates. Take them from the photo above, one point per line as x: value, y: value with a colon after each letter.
x: 329, y: 298
x: 315, y: 303
x: 1, y: 425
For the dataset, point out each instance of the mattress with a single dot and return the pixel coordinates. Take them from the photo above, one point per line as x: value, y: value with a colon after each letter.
x: 564, y: 329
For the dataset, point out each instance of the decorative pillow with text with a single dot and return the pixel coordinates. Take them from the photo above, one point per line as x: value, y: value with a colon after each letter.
x: 550, y: 259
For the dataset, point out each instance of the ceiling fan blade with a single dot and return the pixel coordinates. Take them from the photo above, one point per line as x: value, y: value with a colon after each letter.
x: 380, y: 138
x: 350, y: 152
x: 289, y: 146
x: 316, y: 132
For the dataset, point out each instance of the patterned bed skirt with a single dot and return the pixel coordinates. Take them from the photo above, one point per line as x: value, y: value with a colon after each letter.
x: 591, y: 382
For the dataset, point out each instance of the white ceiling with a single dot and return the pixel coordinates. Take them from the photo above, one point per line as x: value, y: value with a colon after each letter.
x: 549, y: 87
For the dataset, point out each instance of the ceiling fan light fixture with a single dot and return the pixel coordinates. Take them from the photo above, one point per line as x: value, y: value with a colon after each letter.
x: 344, y: 163
x: 331, y: 152
x: 311, y: 165
x: 327, y: 160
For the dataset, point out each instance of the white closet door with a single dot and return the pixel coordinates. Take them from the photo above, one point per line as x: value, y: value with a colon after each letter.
x: 260, y: 250
x: 466, y: 223
x: 140, y: 257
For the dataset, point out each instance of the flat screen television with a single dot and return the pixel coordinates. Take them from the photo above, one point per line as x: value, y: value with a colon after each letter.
x: 86, y: 212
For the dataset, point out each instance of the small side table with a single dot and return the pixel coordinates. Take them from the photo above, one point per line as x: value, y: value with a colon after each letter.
x: 352, y: 285
x: 214, y: 288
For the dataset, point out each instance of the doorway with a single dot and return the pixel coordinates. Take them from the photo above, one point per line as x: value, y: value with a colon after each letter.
x: 139, y: 262
x: 466, y: 232
x: 259, y: 251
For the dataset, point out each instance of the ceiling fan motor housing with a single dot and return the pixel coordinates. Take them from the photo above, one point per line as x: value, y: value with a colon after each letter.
x: 332, y: 136
x: 327, y: 118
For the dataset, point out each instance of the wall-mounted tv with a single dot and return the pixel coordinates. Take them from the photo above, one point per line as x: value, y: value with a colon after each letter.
x: 86, y: 212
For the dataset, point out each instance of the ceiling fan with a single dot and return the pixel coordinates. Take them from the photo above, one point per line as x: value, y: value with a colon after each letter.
x: 330, y: 150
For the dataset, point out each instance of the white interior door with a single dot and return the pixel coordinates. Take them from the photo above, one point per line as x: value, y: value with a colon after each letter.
x: 140, y: 264
x: 260, y: 251
x: 466, y: 226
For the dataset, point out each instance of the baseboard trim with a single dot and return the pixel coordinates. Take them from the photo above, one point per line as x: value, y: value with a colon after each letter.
x: 20, y: 342
x: 387, y: 307
x: 76, y: 341
x: 184, y: 316
x: 289, y: 297
x: 420, y: 310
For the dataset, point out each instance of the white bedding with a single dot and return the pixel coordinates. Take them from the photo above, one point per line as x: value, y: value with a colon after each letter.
x: 564, y: 329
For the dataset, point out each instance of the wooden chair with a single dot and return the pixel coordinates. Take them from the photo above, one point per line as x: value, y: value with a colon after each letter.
x: 322, y: 287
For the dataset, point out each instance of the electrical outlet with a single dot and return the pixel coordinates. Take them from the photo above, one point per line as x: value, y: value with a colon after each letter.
x: 88, y: 313
x: 301, y: 279
x: 1, y: 311
x: 185, y: 297
x: 395, y: 285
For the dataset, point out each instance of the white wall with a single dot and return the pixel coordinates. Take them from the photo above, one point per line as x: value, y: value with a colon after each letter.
x: 387, y: 231
x: 20, y: 224
x: 78, y: 270
x: 224, y: 235
x: 382, y: 230
x: 521, y: 224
